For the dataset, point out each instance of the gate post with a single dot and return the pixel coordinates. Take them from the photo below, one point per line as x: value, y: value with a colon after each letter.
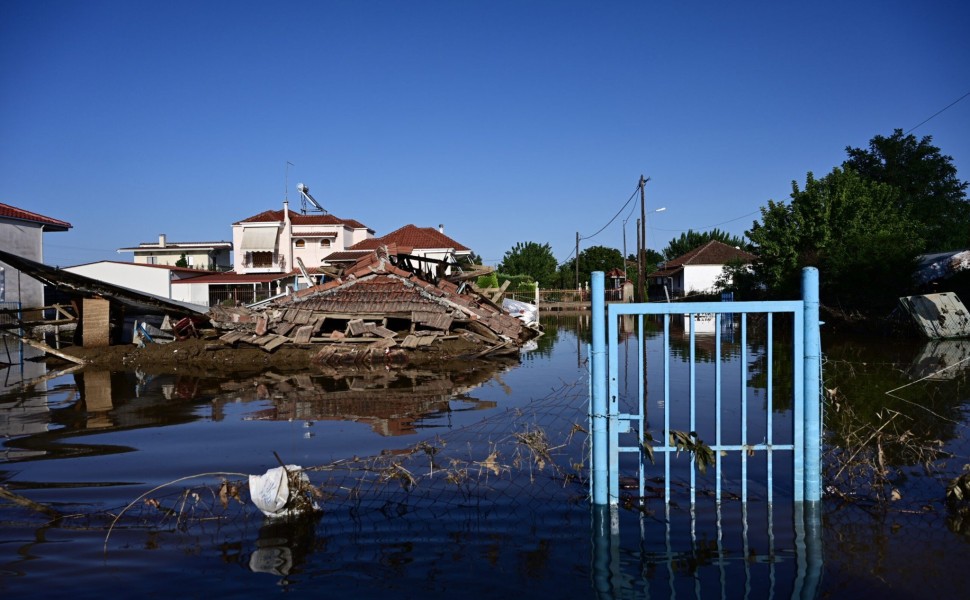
x: 812, y: 386
x: 597, y: 374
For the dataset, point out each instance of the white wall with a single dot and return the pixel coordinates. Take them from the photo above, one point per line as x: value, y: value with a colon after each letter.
x: 196, y: 293
x: 701, y: 278
x: 150, y: 280
x: 25, y: 240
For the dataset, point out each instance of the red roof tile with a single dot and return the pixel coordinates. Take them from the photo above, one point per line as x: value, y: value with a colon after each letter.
x: 412, y: 236
x: 269, y: 216
x: 711, y: 253
x: 52, y: 224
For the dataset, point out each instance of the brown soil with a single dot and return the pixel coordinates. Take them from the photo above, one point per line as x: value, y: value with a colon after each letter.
x: 207, y: 355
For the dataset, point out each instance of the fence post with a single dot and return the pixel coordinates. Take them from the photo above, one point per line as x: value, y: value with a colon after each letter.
x: 597, y: 374
x: 812, y: 386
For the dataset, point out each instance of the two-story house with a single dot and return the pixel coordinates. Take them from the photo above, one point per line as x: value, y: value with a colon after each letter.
x: 273, y: 240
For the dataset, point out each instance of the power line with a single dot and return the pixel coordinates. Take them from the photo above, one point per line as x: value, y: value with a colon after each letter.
x: 938, y: 112
x: 712, y: 226
x: 625, y: 204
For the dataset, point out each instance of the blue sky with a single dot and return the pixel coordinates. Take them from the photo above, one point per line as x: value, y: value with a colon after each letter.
x: 506, y: 121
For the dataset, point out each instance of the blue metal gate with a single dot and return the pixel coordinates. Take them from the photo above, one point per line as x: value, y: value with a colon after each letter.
x: 612, y: 429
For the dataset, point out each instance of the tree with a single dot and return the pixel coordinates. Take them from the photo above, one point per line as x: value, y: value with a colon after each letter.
x: 693, y: 239
x: 532, y: 259
x: 929, y: 189
x: 594, y: 258
x: 182, y: 261
x: 849, y: 227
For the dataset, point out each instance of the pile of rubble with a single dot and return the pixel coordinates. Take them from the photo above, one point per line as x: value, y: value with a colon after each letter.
x: 376, y: 308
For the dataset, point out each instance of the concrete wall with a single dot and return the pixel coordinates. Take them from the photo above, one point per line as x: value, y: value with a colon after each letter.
x: 196, y: 293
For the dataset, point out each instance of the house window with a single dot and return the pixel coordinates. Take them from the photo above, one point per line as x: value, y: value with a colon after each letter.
x: 300, y: 243
x: 325, y: 243
x: 151, y: 260
x: 262, y: 260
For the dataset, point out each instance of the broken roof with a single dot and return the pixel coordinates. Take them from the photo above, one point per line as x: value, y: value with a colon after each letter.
x: 19, y: 214
x: 412, y: 236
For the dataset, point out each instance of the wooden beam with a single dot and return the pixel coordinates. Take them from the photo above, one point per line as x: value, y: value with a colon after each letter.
x: 44, y: 347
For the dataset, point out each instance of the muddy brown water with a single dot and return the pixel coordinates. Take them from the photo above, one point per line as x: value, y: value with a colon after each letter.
x: 429, y: 488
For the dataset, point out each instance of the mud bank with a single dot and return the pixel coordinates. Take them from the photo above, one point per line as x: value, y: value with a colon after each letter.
x: 207, y: 355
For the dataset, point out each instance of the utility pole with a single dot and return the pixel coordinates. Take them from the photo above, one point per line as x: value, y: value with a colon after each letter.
x: 642, y: 250
x: 577, y: 261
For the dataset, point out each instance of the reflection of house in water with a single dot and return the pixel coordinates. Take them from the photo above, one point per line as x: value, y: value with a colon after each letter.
x: 390, y: 401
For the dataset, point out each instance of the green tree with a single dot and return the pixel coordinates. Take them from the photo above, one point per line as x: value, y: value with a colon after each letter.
x: 692, y: 239
x: 594, y: 258
x: 849, y: 227
x: 929, y: 189
x: 532, y: 259
x: 182, y: 261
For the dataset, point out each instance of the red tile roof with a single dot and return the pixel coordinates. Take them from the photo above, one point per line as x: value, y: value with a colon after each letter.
x: 270, y: 216
x: 711, y: 253
x: 50, y: 223
x: 412, y: 236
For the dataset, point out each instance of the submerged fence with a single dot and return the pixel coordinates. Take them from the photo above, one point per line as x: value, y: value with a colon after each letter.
x: 759, y: 404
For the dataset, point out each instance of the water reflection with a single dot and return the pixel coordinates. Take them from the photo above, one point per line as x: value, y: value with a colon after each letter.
x: 390, y: 401
x: 94, y: 401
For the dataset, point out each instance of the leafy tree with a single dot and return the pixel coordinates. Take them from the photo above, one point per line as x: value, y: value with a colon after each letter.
x: 532, y: 259
x: 692, y: 239
x: 182, y: 261
x: 594, y: 258
x: 851, y: 228
x: 929, y: 189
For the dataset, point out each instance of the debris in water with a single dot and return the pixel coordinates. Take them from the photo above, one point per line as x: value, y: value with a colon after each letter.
x: 283, y: 491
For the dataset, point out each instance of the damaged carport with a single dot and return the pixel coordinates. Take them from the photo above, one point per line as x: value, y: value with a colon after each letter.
x: 103, y: 308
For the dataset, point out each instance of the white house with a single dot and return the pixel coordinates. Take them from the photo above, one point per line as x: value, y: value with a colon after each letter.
x: 207, y: 256
x: 697, y: 271
x: 22, y: 233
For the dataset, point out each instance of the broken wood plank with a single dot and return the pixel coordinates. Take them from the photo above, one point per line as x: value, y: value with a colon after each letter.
x: 46, y: 348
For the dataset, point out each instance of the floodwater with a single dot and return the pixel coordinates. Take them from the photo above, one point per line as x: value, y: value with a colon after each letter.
x: 435, y: 484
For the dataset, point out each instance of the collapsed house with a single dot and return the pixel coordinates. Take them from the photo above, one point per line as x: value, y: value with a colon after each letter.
x: 383, y: 304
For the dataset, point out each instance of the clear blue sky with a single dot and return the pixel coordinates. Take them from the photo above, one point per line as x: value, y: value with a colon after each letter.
x: 506, y: 121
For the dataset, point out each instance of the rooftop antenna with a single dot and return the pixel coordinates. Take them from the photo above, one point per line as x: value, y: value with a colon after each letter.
x: 286, y: 182
x: 306, y: 197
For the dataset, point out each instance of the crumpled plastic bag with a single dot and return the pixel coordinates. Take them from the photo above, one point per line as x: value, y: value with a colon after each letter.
x: 275, y: 494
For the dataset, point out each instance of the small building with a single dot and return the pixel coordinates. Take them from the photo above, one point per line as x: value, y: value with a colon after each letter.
x: 22, y: 233
x: 698, y: 271
x: 205, y: 256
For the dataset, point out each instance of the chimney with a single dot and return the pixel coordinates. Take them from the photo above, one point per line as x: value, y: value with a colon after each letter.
x: 161, y: 240
x: 441, y: 227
